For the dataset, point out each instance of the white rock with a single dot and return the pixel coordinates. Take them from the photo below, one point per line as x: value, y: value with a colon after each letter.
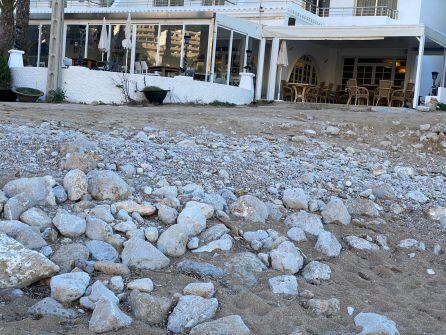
x: 173, y: 241
x: 23, y: 234
x: 328, y: 244
x: 228, y: 325
x: 167, y: 215
x: 296, y: 234
x: 284, y: 284
x: 417, y: 196
x: 295, y: 198
x: 116, y: 284
x: 75, y: 183
x: 360, y: 243
x: 223, y: 244
x: 336, y: 212
x: 411, y: 243
x: 68, y: 224
x: 69, y: 287
x: 151, y: 234
x: 193, y: 243
x: 250, y: 209
x: 141, y: 284
x: 205, y: 290
x: 38, y: 189
x: 315, y: 272
x: 130, y: 206
x: 206, y: 209
x: 107, y: 185
x: 193, y: 219
x: 107, y: 317
x: 286, y: 258
x: 102, y: 251
x: 36, y: 217
x: 103, y: 213
x: 255, y: 235
x: 373, y: 323
x: 310, y: 223
x: 143, y: 255
x: 100, y: 291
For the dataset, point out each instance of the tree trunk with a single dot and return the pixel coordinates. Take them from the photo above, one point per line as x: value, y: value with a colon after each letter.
x: 22, y: 21
x: 6, y: 26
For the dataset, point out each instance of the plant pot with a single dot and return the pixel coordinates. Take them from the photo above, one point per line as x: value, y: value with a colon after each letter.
x: 26, y: 94
x: 7, y: 95
x: 156, y: 97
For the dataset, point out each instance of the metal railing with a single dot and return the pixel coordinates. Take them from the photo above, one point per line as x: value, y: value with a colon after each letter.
x: 358, y: 11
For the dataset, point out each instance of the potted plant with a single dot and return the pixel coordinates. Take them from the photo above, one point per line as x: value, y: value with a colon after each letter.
x: 5, y: 81
x: 154, y: 94
x: 27, y: 94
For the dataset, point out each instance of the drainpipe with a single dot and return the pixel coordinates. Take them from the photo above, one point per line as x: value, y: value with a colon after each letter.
x: 422, y: 41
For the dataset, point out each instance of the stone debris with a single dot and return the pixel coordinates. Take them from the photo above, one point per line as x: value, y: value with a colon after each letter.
x: 373, y: 323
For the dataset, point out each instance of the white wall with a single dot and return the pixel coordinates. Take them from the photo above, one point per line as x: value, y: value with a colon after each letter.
x: 430, y: 64
x: 85, y: 86
x: 433, y: 14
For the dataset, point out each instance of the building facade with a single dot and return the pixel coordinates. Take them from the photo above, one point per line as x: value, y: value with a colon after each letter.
x: 328, y: 41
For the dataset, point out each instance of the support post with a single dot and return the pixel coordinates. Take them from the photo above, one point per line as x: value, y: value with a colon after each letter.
x: 214, y: 50
x: 228, y: 71
x: 422, y: 41
x: 260, y: 66
x: 443, y: 73
x: 273, y: 69
x: 55, y: 48
x: 133, y: 51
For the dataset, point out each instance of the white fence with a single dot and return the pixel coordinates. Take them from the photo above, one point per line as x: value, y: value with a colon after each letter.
x: 87, y: 86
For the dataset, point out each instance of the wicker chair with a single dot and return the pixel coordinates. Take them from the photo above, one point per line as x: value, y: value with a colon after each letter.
x: 403, y: 97
x: 327, y: 94
x: 384, y: 91
x: 356, y: 92
x: 312, y: 93
x: 287, y: 91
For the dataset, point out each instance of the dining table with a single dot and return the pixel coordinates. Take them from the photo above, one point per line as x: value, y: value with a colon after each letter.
x: 299, y: 87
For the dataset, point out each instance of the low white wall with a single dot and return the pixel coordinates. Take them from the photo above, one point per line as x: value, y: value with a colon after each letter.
x: 86, y: 86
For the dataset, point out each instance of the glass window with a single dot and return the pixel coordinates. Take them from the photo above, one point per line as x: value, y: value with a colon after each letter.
x: 253, y: 46
x: 221, y: 55
x: 304, y: 71
x: 197, y: 50
x: 167, y: 3
x: 75, y: 42
x: 213, y: 2
x: 237, y: 58
x: 118, y: 55
x: 146, y: 44
x: 44, y: 45
x: 171, y: 38
x: 33, y: 46
x: 94, y: 34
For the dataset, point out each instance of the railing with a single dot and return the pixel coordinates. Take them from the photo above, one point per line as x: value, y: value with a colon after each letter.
x: 358, y: 11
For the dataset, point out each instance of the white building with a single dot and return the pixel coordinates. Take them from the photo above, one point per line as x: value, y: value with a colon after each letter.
x: 328, y: 41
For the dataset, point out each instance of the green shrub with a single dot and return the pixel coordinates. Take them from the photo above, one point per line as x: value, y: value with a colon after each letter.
x: 5, y: 74
x: 152, y: 89
x: 56, y: 96
x: 441, y: 107
x: 217, y: 103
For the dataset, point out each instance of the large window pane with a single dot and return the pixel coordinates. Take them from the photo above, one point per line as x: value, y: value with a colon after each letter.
x: 170, y: 45
x: 75, y: 43
x: 238, y: 56
x: 221, y: 55
x: 33, y: 46
x: 146, y: 44
x: 44, y: 45
x: 197, y: 50
x: 118, y: 54
x: 94, y: 34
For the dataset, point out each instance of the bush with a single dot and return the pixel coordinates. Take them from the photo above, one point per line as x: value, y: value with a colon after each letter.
x: 152, y: 89
x: 56, y: 96
x: 5, y: 74
x: 441, y: 107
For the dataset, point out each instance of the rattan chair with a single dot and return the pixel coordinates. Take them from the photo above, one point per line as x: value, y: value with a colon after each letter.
x: 287, y: 91
x: 356, y: 92
x: 384, y: 91
x: 403, y: 97
x: 327, y: 94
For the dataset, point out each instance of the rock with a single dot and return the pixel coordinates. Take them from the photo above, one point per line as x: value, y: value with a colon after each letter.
x: 383, y: 191
x: 250, y: 208
x: 417, y: 196
x: 143, y: 255
x: 97, y: 229
x: 411, y: 243
x: 77, y: 160
x: 111, y: 268
x: 75, y: 183
x: 69, y: 287
x: 295, y: 198
x: 360, y: 243
x: 100, y: 291
x: 38, y: 189
x: 167, y: 215
x: 336, y: 212
x: 286, y: 258
x: 206, y: 209
x: 107, y: 185
x: 20, y: 266
x: 16, y: 205
x: 128, y: 170
x: 228, y: 325
x: 23, y: 233
x: 373, y: 323
x: 190, y: 311
x: 275, y: 212
x: 223, y: 244
x: 59, y: 194
x: 214, y: 233
x: 68, y: 224
x: 141, y: 284
x: 173, y: 241
x: 285, y: 284
x: 149, y: 308
x: 126, y: 227
x: 3, y: 200
x: 102, y: 212
x: 243, y: 268
x: 258, y: 235
x: 151, y: 234
x: 102, y: 251
x: 328, y: 244
x: 193, y: 243
x: 362, y: 207
x: 116, y: 284
x: 308, y: 222
x: 327, y: 308
x: 205, y: 290
x: 200, y: 269
x: 68, y: 254
x: 315, y: 272
x: 166, y: 192
x: 107, y: 317
x: 36, y: 217
x: 51, y: 307
x: 296, y: 234
x: 193, y: 219
x: 130, y: 206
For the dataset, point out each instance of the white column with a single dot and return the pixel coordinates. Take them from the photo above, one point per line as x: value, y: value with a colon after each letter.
x: 260, y: 66
x: 54, y: 77
x: 228, y: 72
x: 133, y: 51
x: 38, y: 45
x: 87, y: 26
x: 273, y: 69
x: 419, y: 70
x: 443, y: 73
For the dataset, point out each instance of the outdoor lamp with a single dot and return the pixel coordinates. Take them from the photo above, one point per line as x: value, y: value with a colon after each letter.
x: 434, y: 86
x: 248, y: 60
x: 186, y: 44
x: 186, y: 39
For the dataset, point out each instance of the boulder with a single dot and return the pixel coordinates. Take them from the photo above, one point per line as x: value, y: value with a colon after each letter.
x: 250, y: 208
x: 143, y: 255
x: 69, y: 287
x: 38, y: 189
x: 228, y: 325
x: 23, y: 233
x: 315, y: 272
x: 68, y: 254
x: 328, y: 244
x: 296, y: 234
x: 205, y: 290
x: 206, y: 209
x: 336, y: 212
x: 141, y: 284
x: 75, y: 183
x: 36, y: 217
x: 362, y: 207
x: 103, y: 213
x: 149, y: 308
x: 295, y: 198
x: 107, y: 185
x: 16, y: 205
x: 51, y: 307
x: 96, y: 229
x: 308, y: 222
x: 172, y: 242
x: 20, y: 266
x: 373, y: 323
x: 167, y: 215
x: 69, y: 225
x: 193, y: 219
x: 190, y: 311
x: 102, y: 251
x: 100, y: 291
x: 286, y: 258
x: 130, y: 206
x: 107, y: 317
x: 285, y: 284
x: 200, y: 269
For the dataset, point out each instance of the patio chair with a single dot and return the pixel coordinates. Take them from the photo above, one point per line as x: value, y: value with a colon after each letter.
x: 138, y: 67
x: 287, y: 92
x: 383, y: 91
x: 356, y: 92
x: 403, y: 97
x: 327, y: 94
x: 144, y: 67
x: 312, y: 93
